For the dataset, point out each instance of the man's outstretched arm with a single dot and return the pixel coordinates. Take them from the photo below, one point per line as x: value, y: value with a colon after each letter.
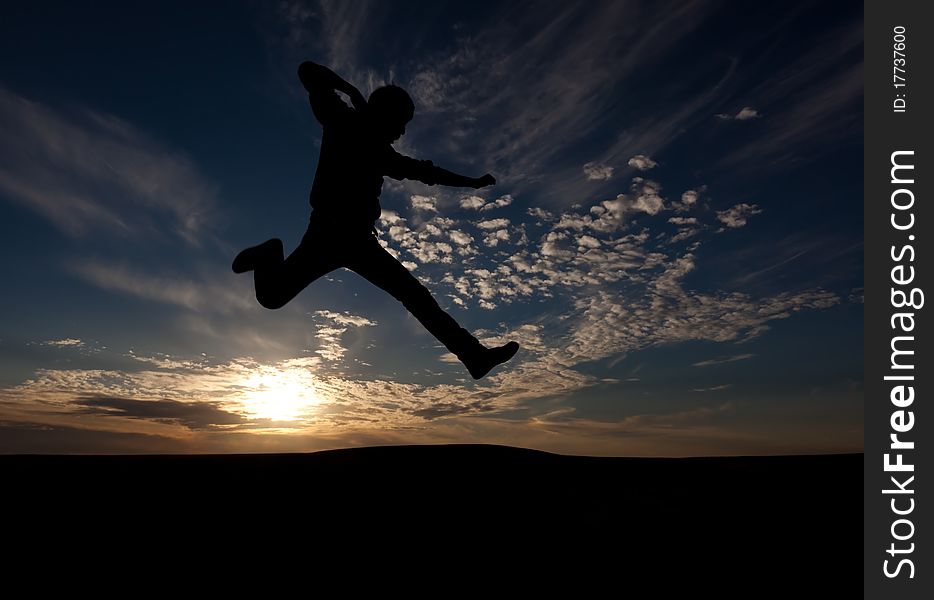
x: 404, y: 167
x: 321, y: 83
x: 445, y: 177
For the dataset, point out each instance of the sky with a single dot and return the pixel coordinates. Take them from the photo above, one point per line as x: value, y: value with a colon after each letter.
x: 675, y: 238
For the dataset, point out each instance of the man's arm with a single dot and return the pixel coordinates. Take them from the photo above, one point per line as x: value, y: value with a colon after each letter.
x: 321, y: 83
x: 404, y: 167
x: 445, y: 177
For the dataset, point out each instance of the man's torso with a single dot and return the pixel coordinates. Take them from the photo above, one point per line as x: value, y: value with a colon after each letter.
x: 349, y: 177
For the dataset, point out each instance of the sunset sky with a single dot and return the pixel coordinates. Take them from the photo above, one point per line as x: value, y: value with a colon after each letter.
x: 675, y: 238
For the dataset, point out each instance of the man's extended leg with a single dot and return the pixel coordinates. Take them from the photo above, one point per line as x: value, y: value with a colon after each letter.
x: 372, y: 262
x: 278, y: 280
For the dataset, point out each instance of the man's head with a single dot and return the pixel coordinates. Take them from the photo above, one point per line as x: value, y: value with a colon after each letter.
x: 390, y: 108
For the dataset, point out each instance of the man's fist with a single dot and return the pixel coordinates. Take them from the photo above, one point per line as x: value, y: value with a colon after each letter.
x: 485, y: 181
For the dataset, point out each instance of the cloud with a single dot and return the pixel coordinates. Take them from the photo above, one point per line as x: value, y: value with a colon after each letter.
x: 600, y: 323
x: 460, y: 238
x: 428, y: 89
x: 240, y: 394
x: 472, y: 202
x: 478, y: 203
x: 500, y: 202
x: 684, y: 418
x: 165, y: 361
x: 331, y: 328
x: 642, y: 162
x: 426, y: 203
x: 738, y: 215
x: 64, y: 343
x: 608, y: 249
x: 648, y: 198
x: 345, y: 318
x: 493, y: 224
x: 426, y: 243
x: 713, y: 388
x: 745, y: 114
x: 607, y: 325
x: 611, y: 215
x: 722, y: 360
x: 683, y: 220
x: 402, y: 234
x: 211, y: 295
x: 45, y: 438
x: 588, y: 241
x: 297, y: 16
x: 389, y: 217
x: 634, y: 295
x: 492, y: 239
x: 92, y: 172
x: 815, y: 99
x: 597, y: 171
x: 688, y: 201
x: 193, y: 415
x: 433, y: 252
x: 683, y: 234
x: 490, y: 115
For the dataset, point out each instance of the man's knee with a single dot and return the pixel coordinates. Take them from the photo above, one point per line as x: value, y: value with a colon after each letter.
x: 271, y: 300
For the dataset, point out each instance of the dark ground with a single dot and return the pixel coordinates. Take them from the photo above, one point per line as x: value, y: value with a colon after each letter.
x: 791, y: 523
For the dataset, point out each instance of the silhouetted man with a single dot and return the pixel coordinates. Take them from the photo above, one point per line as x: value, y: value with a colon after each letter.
x: 356, y: 152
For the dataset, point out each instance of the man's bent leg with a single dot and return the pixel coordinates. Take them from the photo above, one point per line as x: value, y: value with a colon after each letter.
x: 277, y: 281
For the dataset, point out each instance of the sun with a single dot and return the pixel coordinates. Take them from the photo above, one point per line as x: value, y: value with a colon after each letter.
x: 278, y: 394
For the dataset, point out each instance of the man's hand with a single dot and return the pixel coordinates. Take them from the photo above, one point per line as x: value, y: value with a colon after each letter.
x: 484, y: 181
x: 356, y: 98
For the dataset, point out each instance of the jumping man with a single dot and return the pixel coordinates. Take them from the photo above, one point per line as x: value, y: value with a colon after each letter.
x: 356, y: 152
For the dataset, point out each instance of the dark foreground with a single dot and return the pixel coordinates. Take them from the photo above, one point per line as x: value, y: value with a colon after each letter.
x: 701, y: 522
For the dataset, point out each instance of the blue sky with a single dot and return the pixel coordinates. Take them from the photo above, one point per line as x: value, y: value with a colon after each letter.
x: 675, y: 238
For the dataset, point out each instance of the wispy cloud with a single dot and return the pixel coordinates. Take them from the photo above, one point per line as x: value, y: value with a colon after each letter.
x: 814, y: 97
x: 93, y: 172
x: 722, y: 360
x: 475, y: 89
x: 745, y: 114
x: 608, y: 325
x: 213, y: 295
x: 714, y: 388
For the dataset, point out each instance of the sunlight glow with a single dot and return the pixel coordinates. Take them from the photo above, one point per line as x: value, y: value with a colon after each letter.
x: 279, y: 394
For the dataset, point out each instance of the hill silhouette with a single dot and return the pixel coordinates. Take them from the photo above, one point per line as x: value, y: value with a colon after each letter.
x: 774, y: 519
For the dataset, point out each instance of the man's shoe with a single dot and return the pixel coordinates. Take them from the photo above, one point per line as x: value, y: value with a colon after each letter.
x: 483, y: 362
x: 248, y: 259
